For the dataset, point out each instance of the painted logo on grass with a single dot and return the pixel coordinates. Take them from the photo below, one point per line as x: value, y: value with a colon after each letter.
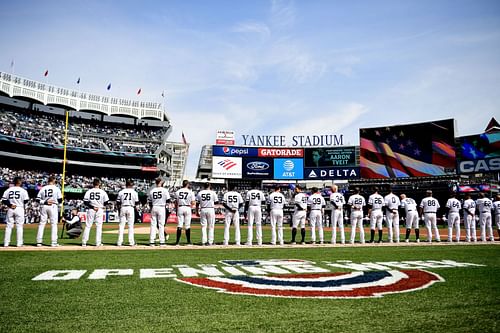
x: 318, y: 285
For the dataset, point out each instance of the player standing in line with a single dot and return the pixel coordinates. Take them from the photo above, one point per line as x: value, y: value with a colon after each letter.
x: 15, y: 198
x: 253, y: 210
x: 50, y: 198
x: 453, y: 207
x: 185, y: 200
x: 158, y: 198
x: 470, y: 219
x: 484, y: 205
x: 496, y: 209
x: 232, y: 202
x: 338, y: 201
x: 127, y: 200
x: 276, y: 203
x: 299, y: 215
x: 392, y: 205
x: 357, y: 203
x: 429, y: 207
x: 206, y: 200
x: 95, y: 199
x: 376, y: 203
x: 316, y: 206
x: 411, y: 217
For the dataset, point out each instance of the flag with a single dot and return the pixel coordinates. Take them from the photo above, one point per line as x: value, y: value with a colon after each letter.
x: 46, y: 73
x: 109, y: 87
x: 184, y: 138
x: 139, y: 91
x: 12, y: 64
x: 418, y: 150
x: 78, y: 81
x: 163, y: 93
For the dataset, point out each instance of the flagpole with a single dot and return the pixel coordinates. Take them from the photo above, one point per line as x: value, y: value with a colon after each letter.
x: 64, y: 170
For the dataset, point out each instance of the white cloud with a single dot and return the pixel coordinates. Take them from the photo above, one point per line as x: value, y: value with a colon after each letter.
x: 253, y: 27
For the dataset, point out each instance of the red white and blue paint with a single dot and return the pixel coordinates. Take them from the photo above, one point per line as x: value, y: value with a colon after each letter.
x: 337, y: 285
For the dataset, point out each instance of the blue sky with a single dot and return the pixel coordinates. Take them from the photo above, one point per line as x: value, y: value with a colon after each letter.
x: 270, y: 67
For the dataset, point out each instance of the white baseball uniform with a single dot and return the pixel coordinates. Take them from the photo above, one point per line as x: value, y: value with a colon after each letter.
x: 316, y: 203
x: 357, y: 202
x: 496, y: 209
x: 233, y: 200
x: 49, y: 197
x: 299, y: 214
x: 207, y: 200
x: 185, y: 198
x: 376, y: 202
x: 95, y: 198
x: 338, y: 202
x: 454, y: 207
x: 277, y: 202
x: 430, y: 207
x: 410, y: 207
x: 128, y: 199
x: 470, y: 220
x: 158, y: 197
x: 392, y: 204
x: 255, y: 198
x: 484, y: 206
x: 15, y: 196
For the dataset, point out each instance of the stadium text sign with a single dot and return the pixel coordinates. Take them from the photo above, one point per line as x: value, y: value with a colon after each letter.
x: 295, y: 141
x: 286, y: 277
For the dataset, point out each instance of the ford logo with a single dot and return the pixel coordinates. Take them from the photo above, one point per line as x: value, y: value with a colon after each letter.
x: 258, y: 166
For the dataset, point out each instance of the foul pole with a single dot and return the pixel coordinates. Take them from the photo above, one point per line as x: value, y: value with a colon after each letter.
x: 64, y: 171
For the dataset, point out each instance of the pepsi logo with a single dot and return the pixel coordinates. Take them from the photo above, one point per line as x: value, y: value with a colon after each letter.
x: 225, y: 150
x: 258, y: 166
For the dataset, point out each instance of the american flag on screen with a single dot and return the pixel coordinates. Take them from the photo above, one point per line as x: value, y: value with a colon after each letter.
x: 418, y: 150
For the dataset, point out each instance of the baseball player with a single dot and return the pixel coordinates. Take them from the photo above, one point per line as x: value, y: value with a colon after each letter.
x: 453, y: 207
x: 411, y: 217
x: 158, y: 198
x: 276, y: 203
x: 469, y: 207
x: 496, y: 209
x: 232, y: 202
x: 429, y: 207
x: 376, y: 203
x: 15, y: 198
x: 299, y: 214
x: 127, y: 200
x: 205, y: 201
x: 316, y: 206
x: 392, y: 204
x: 338, y: 201
x: 95, y: 199
x: 484, y: 206
x: 49, y: 197
x: 185, y: 200
x: 357, y: 203
x: 253, y: 210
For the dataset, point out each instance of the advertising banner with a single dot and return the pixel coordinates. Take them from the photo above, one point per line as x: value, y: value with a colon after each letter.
x: 478, y: 153
x: 288, y: 168
x: 226, y: 167
x: 260, y: 168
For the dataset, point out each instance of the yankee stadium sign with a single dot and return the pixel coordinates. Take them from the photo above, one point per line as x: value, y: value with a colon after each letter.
x: 295, y: 141
x: 287, y: 277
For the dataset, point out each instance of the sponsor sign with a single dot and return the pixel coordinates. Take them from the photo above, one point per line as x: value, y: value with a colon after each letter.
x: 224, y: 137
x: 331, y: 173
x: 288, y: 168
x: 478, y: 153
x: 330, y: 157
x: 234, y: 151
x: 341, y: 279
x: 281, y: 152
x: 226, y: 167
x: 258, y: 168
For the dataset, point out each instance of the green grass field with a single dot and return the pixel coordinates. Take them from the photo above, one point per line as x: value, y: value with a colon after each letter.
x: 467, y: 301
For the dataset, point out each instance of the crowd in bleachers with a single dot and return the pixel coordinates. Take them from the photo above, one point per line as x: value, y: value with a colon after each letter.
x: 42, y: 127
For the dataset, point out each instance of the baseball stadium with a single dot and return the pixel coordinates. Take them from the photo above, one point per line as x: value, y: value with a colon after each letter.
x: 117, y: 215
